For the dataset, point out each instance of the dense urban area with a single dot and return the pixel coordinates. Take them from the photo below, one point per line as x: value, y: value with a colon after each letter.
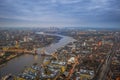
x: 17, y: 42
x: 94, y: 55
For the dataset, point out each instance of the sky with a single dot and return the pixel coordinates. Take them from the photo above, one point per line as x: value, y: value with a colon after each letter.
x: 60, y: 13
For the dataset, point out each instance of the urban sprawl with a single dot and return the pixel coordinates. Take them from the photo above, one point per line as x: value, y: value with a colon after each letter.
x: 94, y: 55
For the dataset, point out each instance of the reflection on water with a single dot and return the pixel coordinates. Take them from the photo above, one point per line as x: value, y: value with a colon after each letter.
x: 36, y: 57
x: 16, y: 65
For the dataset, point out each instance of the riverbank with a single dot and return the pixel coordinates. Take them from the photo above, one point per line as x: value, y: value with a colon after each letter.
x: 28, y: 60
x: 12, y: 56
x: 5, y: 61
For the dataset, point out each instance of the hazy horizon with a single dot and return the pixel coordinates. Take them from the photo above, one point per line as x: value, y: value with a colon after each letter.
x: 60, y: 13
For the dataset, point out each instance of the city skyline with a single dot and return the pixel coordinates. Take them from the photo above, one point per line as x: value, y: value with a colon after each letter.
x: 46, y: 13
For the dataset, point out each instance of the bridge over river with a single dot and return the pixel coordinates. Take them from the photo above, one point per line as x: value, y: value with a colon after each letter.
x: 17, y: 65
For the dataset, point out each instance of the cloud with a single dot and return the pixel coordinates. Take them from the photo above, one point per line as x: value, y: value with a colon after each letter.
x: 53, y: 12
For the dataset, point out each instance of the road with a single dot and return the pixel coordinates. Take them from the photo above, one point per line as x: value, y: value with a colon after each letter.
x: 106, y: 65
x: 28, y: 60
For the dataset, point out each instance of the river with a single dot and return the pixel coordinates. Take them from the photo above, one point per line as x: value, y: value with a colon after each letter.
x: 17, y: 65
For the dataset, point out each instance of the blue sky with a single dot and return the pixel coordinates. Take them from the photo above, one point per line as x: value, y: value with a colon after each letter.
x: 46, y: 13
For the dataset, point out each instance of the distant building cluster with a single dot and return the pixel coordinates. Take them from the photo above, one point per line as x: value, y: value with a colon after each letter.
x: 95, y: 55
x: 16, y: 42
